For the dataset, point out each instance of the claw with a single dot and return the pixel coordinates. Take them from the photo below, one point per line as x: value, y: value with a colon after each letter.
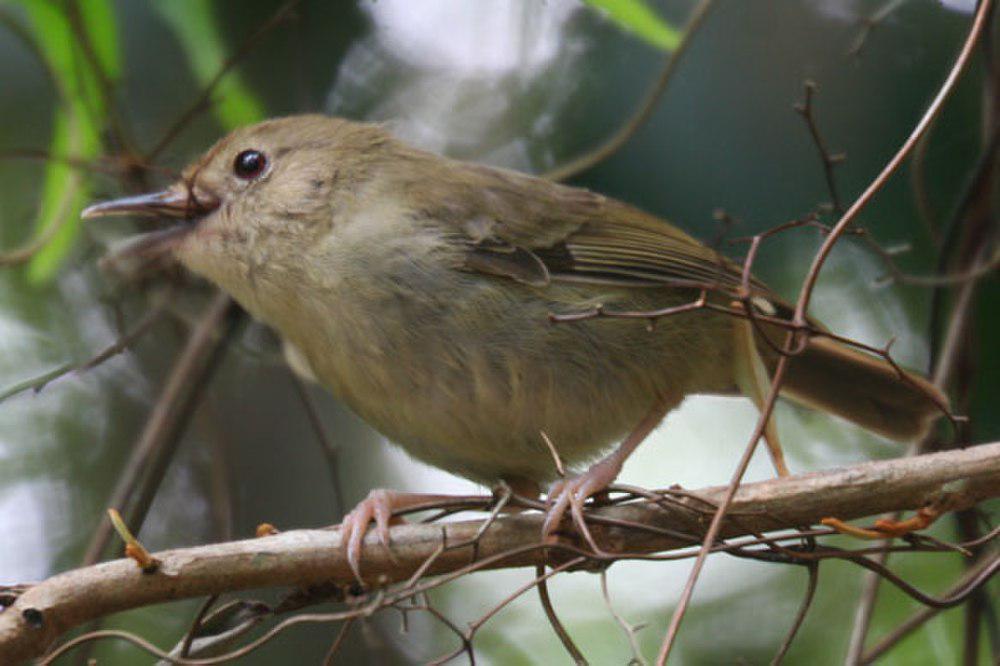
x: 558, y: 499
x: 573, y: 493
x: 378, y: 507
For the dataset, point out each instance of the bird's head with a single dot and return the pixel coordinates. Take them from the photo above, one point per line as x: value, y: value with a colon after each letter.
x: 260, y: 199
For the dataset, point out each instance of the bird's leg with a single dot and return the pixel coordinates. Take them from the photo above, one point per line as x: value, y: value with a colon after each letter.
x: 751, y: 378
x: 572, y: 492
x: 379, y: 506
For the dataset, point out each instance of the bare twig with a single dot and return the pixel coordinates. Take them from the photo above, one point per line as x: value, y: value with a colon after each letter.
x: 813, y: 569
x: 927, y: 613
x: 323, y: 438
x: 830, y: 160
x: 36, y: 384
x: 104, y: 83
x: 631, y: 631
x: 715, y: 527
x: 802, y: 305
x: 918, y: 183
x: 961, y: 61
x: 870, y: 22
x: 24, y: 253
x: 338, y: 641
x: 203, y: 101
x: 627, y: 131
x: 475, y: 626
x: 166, y: 421
x: 554, y: 452
x: 557, y: 625
x: 196, y: 624
x: 865, y: 609
x: 44, y: 611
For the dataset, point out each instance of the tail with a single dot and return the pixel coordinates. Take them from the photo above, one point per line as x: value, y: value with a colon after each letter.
x: 863, y: 389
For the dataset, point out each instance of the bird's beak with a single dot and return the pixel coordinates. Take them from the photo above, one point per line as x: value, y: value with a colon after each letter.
x: 178, y: 202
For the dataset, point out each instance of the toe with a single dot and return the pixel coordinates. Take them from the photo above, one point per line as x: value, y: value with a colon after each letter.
x: 556, y: 511
x: 383, y: 516
x: 576, y: 509
x: 571, y: 495
x: 584, y: 489
x: 377, y: 507
x: 353, y: 532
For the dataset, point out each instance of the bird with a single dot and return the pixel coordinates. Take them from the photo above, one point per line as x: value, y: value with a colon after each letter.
x: 466, y: 311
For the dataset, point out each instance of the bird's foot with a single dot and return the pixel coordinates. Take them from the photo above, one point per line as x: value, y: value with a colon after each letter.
x: 379, y: 507
x: 570, y: 494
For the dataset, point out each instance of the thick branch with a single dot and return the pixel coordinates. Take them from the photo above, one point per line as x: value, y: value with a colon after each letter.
x: 43, y: 612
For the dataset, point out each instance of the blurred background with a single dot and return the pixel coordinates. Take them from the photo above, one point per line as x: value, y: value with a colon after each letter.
x: 526, y: 84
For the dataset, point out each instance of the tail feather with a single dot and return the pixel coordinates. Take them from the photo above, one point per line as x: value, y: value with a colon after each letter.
x: 864, y: 389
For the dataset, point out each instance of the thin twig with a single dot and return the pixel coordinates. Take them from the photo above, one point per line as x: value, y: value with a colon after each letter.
x: 330, y: 451
x: 196, y: 624
x: 154, y: 447
x: 865, y: 609
x: 67, y: 196
x: 829, y: 160
x: 611, y: 145
x: 813, y: 569
x: 36, y: 384
x: 283, y: 13
x: 631, y: 631
x: 918, y: 183
x: 715, y: 526
x: 961, y: 61
x: 303, y: 557
x: 802, y: 305
x: 106, y: 87
x: 916, y: 620
x: 870, y: 22
x: 557, y: 626
x: 338, y: 642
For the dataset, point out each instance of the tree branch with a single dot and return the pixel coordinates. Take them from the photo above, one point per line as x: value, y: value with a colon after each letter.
x: 39, y: 614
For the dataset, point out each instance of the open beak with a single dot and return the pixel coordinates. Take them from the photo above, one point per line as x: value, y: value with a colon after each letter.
x: 137, y: 254
x: 177, y: 202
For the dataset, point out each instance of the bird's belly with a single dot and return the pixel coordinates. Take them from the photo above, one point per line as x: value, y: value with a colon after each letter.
x: 471, y: 386
x: 484, y: 418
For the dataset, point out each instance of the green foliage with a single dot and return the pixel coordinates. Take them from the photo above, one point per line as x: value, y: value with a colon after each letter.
x: 198, y: 32
x: 65, y: 445
x: 78, y: 120
x: 638, y: 18
x: 82, y: 77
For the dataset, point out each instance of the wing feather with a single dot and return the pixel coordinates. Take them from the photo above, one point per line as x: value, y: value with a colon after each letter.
x: 575, y: 235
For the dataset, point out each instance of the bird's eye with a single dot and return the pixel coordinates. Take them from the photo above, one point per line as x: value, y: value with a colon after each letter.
x: 249, y: 164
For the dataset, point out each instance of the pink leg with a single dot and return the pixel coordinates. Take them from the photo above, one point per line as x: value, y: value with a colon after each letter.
x: 378, y: 507
x: 571, y: 493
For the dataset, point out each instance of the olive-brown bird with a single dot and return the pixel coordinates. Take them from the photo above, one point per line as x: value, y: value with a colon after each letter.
x: 420, y: 290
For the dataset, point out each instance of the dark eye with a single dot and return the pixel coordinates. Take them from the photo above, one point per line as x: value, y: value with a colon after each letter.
x: 249, y: 164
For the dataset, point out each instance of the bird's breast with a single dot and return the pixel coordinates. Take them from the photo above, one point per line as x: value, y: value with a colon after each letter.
x: 466, y: 371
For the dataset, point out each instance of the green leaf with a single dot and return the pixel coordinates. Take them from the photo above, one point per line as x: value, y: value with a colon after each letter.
x: 98, y: 18
x: 77, y: 123
x: 195, y: 26
x: 64, y: 194
x: 637, y: 17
